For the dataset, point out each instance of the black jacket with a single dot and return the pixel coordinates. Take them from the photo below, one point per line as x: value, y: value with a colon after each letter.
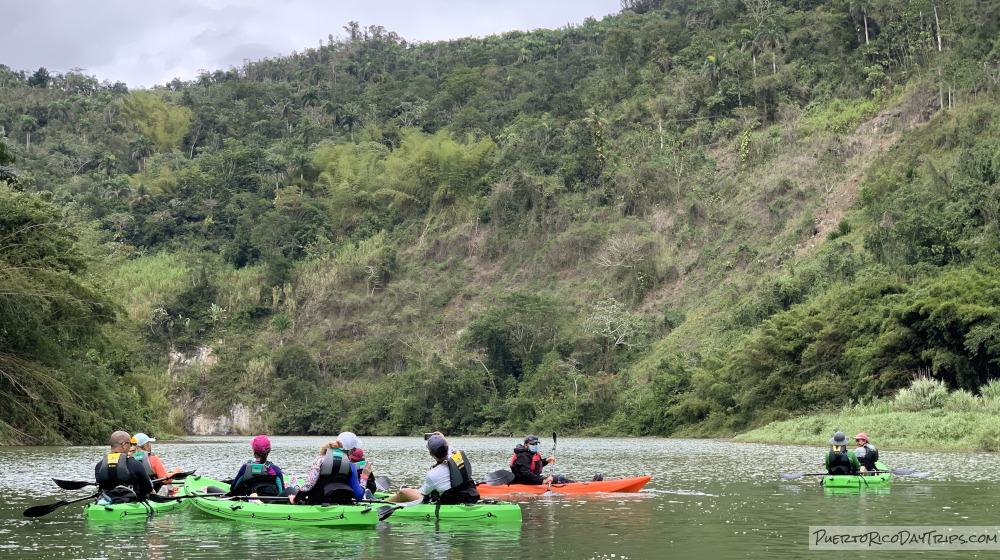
x: 527, y: 466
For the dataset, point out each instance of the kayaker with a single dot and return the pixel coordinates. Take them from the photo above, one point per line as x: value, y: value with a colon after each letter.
x: 358, y: 458
x: 527, y: 464
x: 866, y: 453
x: 151, y: 463
x: 448, y: 482
x: 121, y: 479
x: 840, y: 460
x: 333, y: 478
x: 258, y: 476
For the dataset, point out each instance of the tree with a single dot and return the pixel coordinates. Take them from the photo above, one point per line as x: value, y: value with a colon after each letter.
x: 771, y: 35
x: 861, y: 7
x: 141, y: 150
x: 27, y: 124
x: 8, y: 174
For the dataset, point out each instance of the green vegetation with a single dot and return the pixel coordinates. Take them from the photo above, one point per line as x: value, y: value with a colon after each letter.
x: 690, y: 218
x: 925, y: 415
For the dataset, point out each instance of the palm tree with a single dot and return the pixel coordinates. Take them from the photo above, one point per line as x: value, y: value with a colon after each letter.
x: 302, y: 161
x: 108, y: 164
x: 771, y: 34
x: 28, y: 124
x: 142, y: 149
x: 862, y: 7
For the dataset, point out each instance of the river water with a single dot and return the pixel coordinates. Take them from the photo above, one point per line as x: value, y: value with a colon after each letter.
x: 707, y: 499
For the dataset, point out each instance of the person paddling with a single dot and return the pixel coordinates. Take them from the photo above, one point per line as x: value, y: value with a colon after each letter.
x: 839, y: 460
x: 866, y: 453
x: 258, y: 476
x: 527, y: 464
x: 151, y: 463
x: 333, y: 478
x: 121, y: 479
x: 448, y: 482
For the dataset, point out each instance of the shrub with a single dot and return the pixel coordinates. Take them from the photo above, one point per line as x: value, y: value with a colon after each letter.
x: 924, y: 394
x: 962, y: 401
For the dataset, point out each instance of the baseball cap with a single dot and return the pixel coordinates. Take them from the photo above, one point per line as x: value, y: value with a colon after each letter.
x: 141, y: 439
x: 437, y: 445
x: 348, y: 440
x: 261, y: 444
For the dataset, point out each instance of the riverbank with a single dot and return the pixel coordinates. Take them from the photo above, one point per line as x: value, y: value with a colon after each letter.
x: 937, y: 429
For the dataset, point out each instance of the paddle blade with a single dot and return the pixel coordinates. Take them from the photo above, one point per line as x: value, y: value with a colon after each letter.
x: 920, y: 474
x: 382, y: 484
x: 38, y: 511
x: 385, y: 511
x: 903, y: 472
x: 791, y: 475
x: 499, y: 478
x: 72, y: 484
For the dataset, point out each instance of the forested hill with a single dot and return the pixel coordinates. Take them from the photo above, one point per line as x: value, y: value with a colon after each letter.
x: 693, y: 217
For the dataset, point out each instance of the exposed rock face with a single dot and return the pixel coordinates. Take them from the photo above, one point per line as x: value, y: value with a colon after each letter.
x: 237, y: 422
x: 240, y: 420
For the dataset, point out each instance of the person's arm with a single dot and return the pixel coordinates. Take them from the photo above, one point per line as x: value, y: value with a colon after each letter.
x: 827, y: 462
x: 159, y: 471
x: 281, y: 477
x: 313, y: 475
x: 854, y: 461
x: 359, y: 491
x: 522, y: 470
x: 143, y: 486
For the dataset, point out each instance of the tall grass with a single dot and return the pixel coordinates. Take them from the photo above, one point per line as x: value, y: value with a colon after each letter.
x: 923, y: 415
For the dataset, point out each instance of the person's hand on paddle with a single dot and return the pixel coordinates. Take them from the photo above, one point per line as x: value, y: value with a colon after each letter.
x: 548, y: 480
x: 550, y: 461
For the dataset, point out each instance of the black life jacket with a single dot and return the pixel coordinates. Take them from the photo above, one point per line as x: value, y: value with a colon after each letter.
x: 334, y: 483
x: 867, y: 456
x: 370, y: 484
x: 840, y: 463
x: 463, y: 487
x: 256, y: 480
x: 114, y: 472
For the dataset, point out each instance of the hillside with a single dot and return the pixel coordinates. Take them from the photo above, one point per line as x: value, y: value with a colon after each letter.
x: 690, y: 218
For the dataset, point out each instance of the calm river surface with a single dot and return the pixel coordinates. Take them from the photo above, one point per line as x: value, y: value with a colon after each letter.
x: 707, y: 499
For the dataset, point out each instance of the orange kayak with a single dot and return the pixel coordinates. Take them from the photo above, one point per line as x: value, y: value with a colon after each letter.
x: 633, y: 484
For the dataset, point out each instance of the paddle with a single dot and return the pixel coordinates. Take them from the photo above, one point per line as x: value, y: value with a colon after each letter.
x: 498, y: 478
x: 38, y: 511
x: 77, y: 484
x: 385, y: 511
x: 382, y: 484
x: 898, y: 472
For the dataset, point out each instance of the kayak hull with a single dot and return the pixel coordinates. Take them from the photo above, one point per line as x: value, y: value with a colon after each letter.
x: 633, y: 484
x: 142, y: 510
x: 279, y: 513
x: 858, y: 482
x: 486, y: 511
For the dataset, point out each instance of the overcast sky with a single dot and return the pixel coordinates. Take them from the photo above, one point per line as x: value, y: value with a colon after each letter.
x: 145, y: 43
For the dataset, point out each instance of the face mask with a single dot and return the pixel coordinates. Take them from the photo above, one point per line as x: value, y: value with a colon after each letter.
x: 533, y: 448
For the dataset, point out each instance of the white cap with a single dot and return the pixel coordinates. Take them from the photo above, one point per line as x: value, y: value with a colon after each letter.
x: 348, y: 440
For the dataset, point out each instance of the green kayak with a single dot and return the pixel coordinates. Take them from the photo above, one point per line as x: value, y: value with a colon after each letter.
x: 857, y: 481
x: 363, y: 515
x: 142, y: 510
x: 486, y: 511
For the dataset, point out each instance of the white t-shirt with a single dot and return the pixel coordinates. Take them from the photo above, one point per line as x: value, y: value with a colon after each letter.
x: 438, y: 478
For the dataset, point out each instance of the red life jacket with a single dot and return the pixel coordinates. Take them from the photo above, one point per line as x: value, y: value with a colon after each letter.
x: 536, y: 463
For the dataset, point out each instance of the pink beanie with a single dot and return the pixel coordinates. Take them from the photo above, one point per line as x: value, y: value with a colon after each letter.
x: 261, y: 444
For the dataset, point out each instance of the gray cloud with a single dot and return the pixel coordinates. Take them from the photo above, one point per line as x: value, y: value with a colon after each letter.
x: 149, y: 43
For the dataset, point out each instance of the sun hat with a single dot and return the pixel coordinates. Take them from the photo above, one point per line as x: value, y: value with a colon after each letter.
x: 839, y: 439
x: 438, y: 446
x: 141, y: 439
x: 862, y: 435
x: 348, y: 440
x: 531, y: 439
x: 261, y: 444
